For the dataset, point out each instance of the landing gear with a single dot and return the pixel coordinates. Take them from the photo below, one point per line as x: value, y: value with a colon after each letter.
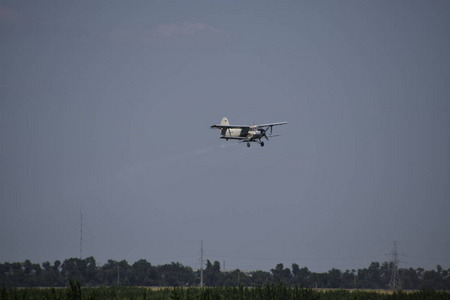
x: 261, y: 143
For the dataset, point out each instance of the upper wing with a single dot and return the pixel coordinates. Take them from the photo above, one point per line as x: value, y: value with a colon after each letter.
x: 231, y: 126
x: 272, y: 124
x: 248, y: 126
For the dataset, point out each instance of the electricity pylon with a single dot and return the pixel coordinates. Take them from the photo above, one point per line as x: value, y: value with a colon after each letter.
x: 394, y: 282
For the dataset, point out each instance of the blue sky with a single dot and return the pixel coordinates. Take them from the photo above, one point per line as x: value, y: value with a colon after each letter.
x: 107, y: 105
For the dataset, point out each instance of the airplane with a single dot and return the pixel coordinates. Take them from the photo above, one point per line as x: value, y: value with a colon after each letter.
x: 246, y: 133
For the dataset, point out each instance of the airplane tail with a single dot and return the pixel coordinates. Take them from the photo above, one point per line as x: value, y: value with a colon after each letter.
x: 224, y: 122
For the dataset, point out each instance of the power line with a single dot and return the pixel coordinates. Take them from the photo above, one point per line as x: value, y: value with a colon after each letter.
x: 296, y: 259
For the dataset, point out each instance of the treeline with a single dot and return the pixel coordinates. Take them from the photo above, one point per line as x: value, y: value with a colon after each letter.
x: 143, y: 273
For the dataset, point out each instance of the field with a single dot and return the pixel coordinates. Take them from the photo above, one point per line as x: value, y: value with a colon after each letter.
x: 224, y: 293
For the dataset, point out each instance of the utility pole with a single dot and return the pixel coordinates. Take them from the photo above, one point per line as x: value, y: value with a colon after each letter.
x: 81, y: 232
x: 394, y: 282
x: 201, y: 263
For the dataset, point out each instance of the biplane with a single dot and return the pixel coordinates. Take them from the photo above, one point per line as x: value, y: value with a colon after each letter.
x: 246, y: 133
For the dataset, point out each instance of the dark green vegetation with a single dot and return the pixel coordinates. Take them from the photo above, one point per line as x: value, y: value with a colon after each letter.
x: 268, y: 292
x: 143, y: 273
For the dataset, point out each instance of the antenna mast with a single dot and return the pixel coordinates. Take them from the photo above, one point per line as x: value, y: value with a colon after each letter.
x: 394, y: 282
x: 201, y: 263
x: 81, y: 232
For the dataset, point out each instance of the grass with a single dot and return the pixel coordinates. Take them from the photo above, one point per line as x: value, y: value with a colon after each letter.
x: 269, y: 292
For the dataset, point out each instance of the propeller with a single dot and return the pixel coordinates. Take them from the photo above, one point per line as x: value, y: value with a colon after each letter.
x: 263, y: 133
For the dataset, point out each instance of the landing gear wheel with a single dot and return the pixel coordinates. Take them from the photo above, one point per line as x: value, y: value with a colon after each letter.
x: 248, y: 144
x: 262, y: 144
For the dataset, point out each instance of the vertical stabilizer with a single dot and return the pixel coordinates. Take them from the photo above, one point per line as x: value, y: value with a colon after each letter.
x: 224, y: 122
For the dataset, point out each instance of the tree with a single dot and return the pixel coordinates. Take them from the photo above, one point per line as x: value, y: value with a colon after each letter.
x: 115, y: 273
x: 446, y: 276
x: 18, y: 274
x: 73, y: 268
x: 369, y: 278
x: 90, y: 271
x: 175, y: 274
x: 385, y: 274
x: 49, y: 278
x: 212, y: 275
x: 261, y: 278
x: 374, y: 277
x: 143, y: 274
x: 240, y: 278
x: 333, y: 279
x: 281, y: 274
x: 434, y: 279
x: 410, y: 279
x: 348, y: 279
x: 32, y: 273
x: 300, y: 276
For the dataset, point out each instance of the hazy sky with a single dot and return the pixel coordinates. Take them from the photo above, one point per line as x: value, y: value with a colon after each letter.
x: 107, y: 105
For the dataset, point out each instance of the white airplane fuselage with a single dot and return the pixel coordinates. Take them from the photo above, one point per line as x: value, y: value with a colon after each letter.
x: 240, y: 133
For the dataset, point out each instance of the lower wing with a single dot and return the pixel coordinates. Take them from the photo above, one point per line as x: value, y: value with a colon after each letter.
x: 234, y: 138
